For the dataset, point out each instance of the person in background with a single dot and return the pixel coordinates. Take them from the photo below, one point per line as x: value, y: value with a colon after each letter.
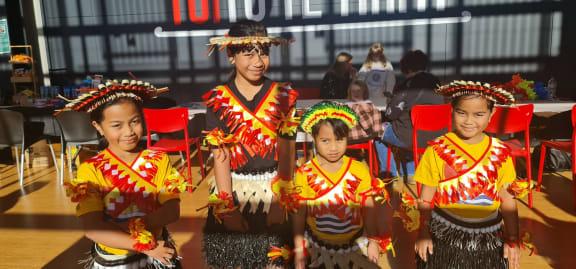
x: 336, y: 80
x: 416, y: 89
x: 378, y: 74
x: 369, y: 117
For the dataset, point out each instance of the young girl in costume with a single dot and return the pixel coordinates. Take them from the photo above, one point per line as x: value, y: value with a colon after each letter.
x: 337, y: 209
x: 126, y: 196
x: 465, y: 177
x: 252, y: 132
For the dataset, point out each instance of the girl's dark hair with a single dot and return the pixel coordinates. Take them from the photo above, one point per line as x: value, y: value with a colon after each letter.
x: 245, y: 28
x: 456, y: 100
x: 340, y: 128
x: 362, y: 85
x: 414, y: 60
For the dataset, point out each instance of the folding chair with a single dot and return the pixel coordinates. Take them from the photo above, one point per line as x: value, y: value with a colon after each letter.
x: 12, y: 135
x: 509, y: 120
x: 566, y: 146
x: 372, y: 155
x: 77, y: 130
x: 169, y: 121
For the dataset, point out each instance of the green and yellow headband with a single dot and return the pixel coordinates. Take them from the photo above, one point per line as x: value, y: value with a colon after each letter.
x: 328, y: 110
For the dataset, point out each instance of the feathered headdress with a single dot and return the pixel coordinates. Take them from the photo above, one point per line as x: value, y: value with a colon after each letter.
x: 94, y: 98
x: 256, y: 41
x: 460, y: 87
x: 327, y: 110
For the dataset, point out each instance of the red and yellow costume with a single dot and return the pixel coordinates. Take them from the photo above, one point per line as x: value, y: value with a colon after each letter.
x: 335, y: 217
x: 250, y: 130
x: 125, y: 191
x: 466, y: 222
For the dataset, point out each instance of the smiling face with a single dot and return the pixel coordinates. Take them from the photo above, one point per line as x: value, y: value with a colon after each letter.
x: 471, y: 116
x: 251, y: 64
x: 329, y: 147
x: 121, y: 125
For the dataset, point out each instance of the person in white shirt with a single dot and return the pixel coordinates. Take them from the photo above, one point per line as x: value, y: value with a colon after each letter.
x: 378, y: 74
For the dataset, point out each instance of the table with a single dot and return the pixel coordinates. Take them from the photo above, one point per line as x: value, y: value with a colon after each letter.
x: 551, y: 106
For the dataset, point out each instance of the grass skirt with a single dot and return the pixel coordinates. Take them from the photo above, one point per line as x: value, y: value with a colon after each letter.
x: 457, y: 245
x: 225, y: 249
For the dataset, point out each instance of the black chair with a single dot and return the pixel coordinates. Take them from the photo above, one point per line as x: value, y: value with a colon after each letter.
x: 77, y: 131
x: 13, y: 134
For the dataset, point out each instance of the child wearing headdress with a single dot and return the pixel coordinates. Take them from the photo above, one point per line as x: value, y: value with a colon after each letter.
x: 252, y: 126
x: 465, y: 176
x: 335, y: 226
x: 126, y: 195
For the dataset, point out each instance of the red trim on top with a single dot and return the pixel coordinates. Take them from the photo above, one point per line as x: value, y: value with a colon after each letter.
x: 130, y: 167
x: 458, y: 146
x: 475, y: 164
x: 333, y: 185
x: 265, y: 96
x: 253, y: 113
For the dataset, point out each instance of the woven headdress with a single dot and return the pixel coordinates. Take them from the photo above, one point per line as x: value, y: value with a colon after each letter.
x: 138, y: 90
x: 256, y: 41
x: 459, y: 87
x: 328, y: 110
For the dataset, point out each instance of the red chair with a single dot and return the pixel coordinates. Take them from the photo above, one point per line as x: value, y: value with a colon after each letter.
x: 566, y: 146
x: 508, y: 120
x: 168, y: 121
x: 426, y: 118
x: 372, y: 155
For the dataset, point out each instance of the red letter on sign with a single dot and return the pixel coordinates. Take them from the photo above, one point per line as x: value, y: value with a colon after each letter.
x: 192, y: 11
x: 176, y: 11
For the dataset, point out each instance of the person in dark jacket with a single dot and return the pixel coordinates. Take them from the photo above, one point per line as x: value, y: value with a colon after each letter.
x: 336, y: 81
x: 416, y: 89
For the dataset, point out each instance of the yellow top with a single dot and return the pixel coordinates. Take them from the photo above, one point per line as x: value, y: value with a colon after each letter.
x: 123, y: 191
x: 467, y: 178
x: 334, y: 200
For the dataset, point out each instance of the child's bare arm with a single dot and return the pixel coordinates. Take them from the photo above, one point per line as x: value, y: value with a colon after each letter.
x: 168, y: 212
x: 222, y: 169
x: 509, y: 211
x: 286, y: 152
x: 298, y: 224
x: 371, y: 229
x: 424, y: 241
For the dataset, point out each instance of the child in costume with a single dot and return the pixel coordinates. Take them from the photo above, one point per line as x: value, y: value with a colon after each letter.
x: 252, y: 132
x: 337, y: 209
x: 126, y: 196
x: 465, y: 176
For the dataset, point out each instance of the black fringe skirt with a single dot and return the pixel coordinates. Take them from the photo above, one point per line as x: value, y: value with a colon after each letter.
x: 100, y: 259
x: 225, y: 249
x: 463, y: 245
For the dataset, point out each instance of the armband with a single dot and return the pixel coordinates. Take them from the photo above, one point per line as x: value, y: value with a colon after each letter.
x: 144, y: 239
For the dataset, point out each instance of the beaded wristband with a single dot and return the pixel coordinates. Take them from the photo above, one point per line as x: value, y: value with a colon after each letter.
x: 222, y: 205
x: 384, y: 242
x: 144, y: 239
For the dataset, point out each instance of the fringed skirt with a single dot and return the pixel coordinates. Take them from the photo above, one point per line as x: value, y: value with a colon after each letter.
x: 226, y: 249
x: 459, y: 244
x: 330, y: 255
x: 100, y: 259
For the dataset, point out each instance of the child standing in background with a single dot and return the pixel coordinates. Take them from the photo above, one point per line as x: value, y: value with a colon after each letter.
x: 252, y: 132
x: 336, y: 224
x: 465, y: 177
x: 126, y: 196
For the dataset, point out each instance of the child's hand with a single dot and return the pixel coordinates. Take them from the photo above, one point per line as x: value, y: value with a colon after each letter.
x: 161, y: 252
x: 299, y: 260
x: 512, y: 253
x: 235, y: 222
x: 423, y: 244
x: 373, y: 251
